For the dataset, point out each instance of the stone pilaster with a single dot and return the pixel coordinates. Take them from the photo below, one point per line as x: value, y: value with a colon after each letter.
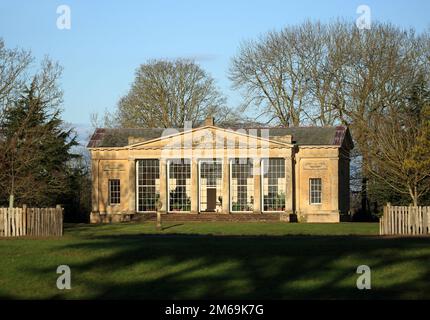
x: 95, y: 186
x: 289, y: 173
x: 131, y: 186
x: 334, y: 185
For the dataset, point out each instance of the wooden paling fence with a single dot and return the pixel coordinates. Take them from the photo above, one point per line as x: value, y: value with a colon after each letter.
x: 405, y: 221
x: 37, y: 222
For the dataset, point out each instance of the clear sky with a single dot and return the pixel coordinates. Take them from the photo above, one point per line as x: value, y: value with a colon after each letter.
x: 109, y: 39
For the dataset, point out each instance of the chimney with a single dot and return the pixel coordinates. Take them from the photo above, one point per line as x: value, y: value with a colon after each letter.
x: 209, y: 121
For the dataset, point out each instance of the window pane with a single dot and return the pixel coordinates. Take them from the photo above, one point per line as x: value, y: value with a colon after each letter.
x: 148, y: 184
x: 179, y: 185
x: 114, y: 191
x: 315, y: 190
x: 274, y: 184
x: 242, y: 185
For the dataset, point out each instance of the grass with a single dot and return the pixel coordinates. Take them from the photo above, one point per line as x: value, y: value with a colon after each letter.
x: 216, y: 260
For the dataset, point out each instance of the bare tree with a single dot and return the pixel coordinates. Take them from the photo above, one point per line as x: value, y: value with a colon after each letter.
x: 400, y: 147
x: 13, y: 66
x: 273, y: 76
x: 15, y: 75
x: 326, y: 74
x: 168, y: 93
x: 377, y: 69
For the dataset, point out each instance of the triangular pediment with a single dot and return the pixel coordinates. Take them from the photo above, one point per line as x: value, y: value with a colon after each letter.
x: 211, y: 137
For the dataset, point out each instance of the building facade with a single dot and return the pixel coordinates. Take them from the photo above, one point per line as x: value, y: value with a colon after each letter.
x: 300, y: 173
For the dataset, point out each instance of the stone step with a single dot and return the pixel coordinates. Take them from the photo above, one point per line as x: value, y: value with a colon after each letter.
x: 210, y: 217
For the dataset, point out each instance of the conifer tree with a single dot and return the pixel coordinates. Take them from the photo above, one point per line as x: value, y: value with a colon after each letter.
x: 37, y: 151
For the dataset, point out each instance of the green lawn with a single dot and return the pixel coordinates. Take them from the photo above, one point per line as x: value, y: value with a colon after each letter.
x: 217, y: 260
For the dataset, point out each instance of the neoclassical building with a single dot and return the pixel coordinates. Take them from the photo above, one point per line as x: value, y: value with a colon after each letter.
x: 300, y: 173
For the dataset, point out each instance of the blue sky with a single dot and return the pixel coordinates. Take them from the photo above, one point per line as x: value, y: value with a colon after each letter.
x: 109, y: 39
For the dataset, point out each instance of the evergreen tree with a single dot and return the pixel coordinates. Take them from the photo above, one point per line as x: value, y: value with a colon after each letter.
x: 37, y: 151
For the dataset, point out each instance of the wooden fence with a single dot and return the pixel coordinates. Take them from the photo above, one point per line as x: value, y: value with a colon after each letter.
x: 37, y: 222
x: 405, y: 221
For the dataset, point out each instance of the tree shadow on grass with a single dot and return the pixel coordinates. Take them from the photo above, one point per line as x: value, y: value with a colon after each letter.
x: 171, y: 226
x: 156, y: 266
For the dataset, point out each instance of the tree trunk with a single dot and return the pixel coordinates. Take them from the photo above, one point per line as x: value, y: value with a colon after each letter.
x: 364, y: 187
x: 413, y: 193
x: 364, y: 199
x: 11, y: 201
x: 415, y: 197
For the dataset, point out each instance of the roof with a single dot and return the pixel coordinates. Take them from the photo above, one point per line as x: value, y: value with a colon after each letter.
x: 309, y: 136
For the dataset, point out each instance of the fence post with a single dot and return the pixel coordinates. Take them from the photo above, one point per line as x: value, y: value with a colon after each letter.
x: 382, y: 228
x: 5, y: 224
x: 389, y: 218
x: 418, y: 211
x: 1, y: 222
x: 12, y: 216
x: 426, y: 213
x: 24, y: 219
x: 59, y: 213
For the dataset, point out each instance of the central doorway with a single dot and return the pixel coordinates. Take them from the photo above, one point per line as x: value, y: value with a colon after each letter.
x: 210, y: 182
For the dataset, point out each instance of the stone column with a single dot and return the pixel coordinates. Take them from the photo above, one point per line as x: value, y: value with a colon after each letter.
x: 226, y: 186
x: 163, y: 185
x: 131, y: 186
x: 257, y: 185
x: 194, y: 186
x: 290, y: 187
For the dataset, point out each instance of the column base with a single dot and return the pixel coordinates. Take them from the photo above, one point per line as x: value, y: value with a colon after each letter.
x: 95, y: 217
